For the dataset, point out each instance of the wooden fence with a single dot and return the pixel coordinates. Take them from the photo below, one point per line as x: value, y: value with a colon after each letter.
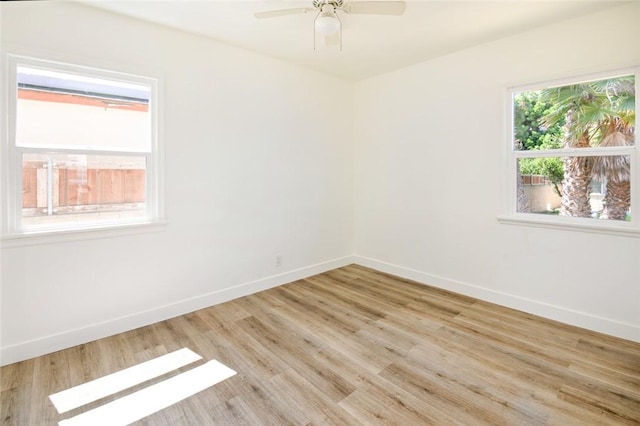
x: 81, y: 187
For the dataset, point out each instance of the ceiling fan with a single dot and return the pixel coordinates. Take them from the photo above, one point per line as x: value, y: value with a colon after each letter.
x: 328, y: 22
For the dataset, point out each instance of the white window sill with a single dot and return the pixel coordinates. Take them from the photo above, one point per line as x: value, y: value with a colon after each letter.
x: 33, y: 238
x: 624, y: 229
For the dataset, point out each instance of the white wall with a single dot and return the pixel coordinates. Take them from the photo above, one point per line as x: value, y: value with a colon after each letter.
x: 249, y: 175
x: 430, y: 141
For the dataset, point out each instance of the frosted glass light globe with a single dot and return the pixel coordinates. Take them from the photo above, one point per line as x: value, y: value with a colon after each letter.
x: 327, y: 24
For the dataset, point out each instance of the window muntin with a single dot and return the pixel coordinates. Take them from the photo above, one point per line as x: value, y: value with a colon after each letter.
x: 573, y: 153
x: 83, y: 148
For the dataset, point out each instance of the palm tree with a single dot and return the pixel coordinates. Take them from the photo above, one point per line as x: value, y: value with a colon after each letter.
x: 615, y: 172
x: 597, y: 113
x: 617, y: 129
x: 576, y: 182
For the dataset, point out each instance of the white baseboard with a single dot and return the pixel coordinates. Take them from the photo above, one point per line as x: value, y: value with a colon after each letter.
x: 67, y: 339
x: 557, y: 313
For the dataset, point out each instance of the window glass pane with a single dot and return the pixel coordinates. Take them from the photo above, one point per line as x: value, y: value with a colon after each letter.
x: 64, y: 110
x: 590, y: 114
x: 593, y: 187
x: 63, y: 189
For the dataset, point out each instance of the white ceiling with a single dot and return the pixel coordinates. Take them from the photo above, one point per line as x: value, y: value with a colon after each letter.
x: 372, y: 44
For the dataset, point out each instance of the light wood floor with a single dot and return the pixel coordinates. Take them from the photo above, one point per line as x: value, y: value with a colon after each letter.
x: 354, y: 346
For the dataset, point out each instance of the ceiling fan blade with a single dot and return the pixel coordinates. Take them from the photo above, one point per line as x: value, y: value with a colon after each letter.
x: 282, y: 12
x: 332, y: 40
x: 375, y: 7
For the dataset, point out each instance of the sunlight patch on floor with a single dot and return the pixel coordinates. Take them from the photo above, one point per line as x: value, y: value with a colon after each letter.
x: 135, y: 406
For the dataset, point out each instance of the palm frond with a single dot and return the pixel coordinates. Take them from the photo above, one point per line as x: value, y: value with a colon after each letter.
x: 626, y: 102
x: 592, y: 113
x: 595, y: 108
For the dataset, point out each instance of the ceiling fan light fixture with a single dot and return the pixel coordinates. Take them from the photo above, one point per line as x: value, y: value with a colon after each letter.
x: 327, y: 23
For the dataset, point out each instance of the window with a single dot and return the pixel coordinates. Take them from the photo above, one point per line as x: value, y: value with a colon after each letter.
x: 573, y: 157
x: 82, y: 146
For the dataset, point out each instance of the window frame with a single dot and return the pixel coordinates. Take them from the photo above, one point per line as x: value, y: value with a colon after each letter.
x: 13, y: 233
x: 511, y: 216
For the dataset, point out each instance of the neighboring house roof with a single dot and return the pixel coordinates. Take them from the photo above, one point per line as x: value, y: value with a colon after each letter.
x: 89, y: 87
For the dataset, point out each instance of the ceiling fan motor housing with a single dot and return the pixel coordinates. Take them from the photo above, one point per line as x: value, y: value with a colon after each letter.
x: 335, y: 3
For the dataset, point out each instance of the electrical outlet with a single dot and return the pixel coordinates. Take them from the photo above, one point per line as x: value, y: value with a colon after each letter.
x: 278, y: 261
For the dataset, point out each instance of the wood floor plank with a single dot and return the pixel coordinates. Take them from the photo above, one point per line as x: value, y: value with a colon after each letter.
x: 518, y: 325
x: 619, y: 408
x: 234, y: 411
x: 604, y: 374
x: 248, y: 354
x: 318, y: 407
x: 354, y: 346
x: 323, y: 287
x: 459, y: 404
x: 615, y: 356
x: 382, y: 402
x: 274, y: 409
